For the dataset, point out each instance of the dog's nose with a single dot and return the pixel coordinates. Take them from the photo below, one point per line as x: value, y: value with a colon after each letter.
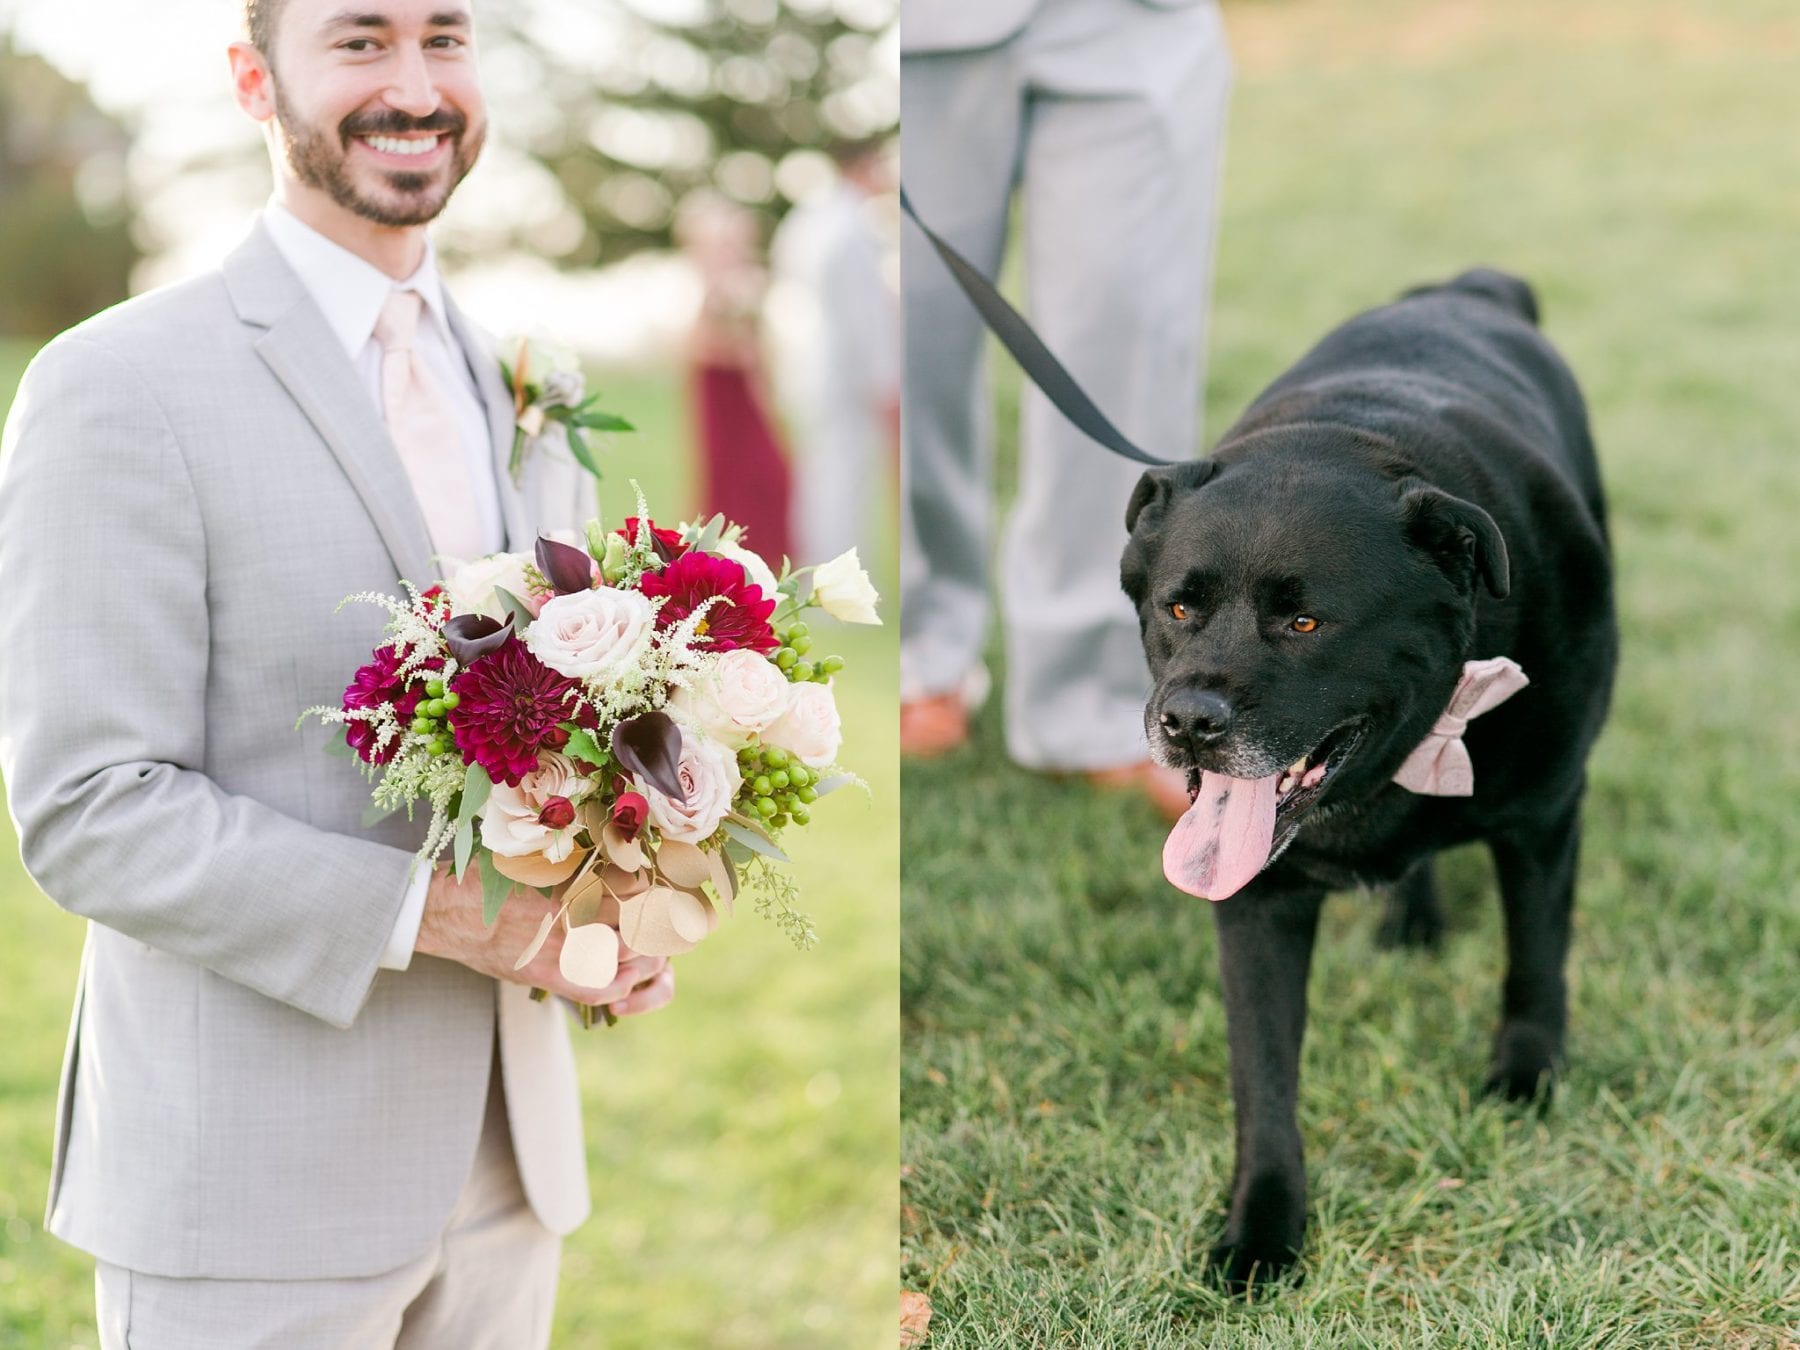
x: 1196, y: 715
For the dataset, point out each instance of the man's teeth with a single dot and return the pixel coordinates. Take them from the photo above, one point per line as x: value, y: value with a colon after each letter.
x: 394, y: 145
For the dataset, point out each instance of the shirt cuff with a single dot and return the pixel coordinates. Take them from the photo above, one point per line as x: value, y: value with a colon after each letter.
x: 398, y: 953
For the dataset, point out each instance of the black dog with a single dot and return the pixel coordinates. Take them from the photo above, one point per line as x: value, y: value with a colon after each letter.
x: 1419, y: 491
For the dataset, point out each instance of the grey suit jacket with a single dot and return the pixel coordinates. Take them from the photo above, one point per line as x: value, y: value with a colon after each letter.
x: 191, y: 483
x: 961, y: 26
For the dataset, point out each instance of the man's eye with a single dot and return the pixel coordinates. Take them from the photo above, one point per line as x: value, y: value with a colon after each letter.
x: 1180, y: 611
x: 445, y: 44
x: 1304, y: 623
x: 358, y: 45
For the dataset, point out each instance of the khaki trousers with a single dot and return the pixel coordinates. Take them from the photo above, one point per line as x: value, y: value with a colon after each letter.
x: 488, y: 1284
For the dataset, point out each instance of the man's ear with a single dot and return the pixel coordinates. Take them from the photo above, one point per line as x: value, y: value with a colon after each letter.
x: 1459, y: 534
x: 251, y: 81
x: 1157, y: 486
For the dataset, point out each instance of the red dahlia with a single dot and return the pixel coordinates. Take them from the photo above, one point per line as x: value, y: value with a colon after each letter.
x: 740, y: 620
x: 374, y: 684
x: 511, y: 703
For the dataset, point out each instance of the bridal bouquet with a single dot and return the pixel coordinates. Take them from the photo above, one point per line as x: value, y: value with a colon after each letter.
x: 637, y: 721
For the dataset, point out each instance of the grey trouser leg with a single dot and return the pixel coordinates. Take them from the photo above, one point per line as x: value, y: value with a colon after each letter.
x: 1113, y: 113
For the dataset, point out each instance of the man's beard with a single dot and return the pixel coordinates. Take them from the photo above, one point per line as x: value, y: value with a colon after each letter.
x: 321, y: 162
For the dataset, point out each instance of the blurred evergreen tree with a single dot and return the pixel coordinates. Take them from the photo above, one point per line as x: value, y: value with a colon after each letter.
x: 66, y: 247
x: 630, y: 111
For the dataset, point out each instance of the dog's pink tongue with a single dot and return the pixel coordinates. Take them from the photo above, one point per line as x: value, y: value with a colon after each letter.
x: 1224, y: 838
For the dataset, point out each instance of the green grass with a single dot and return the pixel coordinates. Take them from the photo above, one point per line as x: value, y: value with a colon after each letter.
x: 1067, y: 1128
x: 742, y: 1142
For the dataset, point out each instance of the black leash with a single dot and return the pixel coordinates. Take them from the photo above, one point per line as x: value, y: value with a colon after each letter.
x: 1040, y: 366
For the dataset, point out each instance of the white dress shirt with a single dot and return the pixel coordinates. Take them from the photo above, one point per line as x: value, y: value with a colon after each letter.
x: 350, y: 292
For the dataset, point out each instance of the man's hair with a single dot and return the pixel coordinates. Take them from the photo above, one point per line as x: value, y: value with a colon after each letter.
x: 259, y: 24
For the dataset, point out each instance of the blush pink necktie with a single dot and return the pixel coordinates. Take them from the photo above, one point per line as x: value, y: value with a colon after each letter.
x: 424, y: 432
x: 1439, y: 765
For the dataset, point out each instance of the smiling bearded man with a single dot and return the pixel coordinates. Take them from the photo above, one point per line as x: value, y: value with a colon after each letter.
x: 307, y: 1101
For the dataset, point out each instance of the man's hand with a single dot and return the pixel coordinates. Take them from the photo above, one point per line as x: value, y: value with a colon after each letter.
x: 451, y: 928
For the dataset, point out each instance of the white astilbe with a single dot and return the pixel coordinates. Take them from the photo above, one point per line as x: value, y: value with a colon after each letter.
x: 414, y: 774
x: 669, y: 663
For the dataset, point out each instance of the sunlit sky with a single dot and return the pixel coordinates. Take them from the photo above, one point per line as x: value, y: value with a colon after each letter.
x: 160, y: 65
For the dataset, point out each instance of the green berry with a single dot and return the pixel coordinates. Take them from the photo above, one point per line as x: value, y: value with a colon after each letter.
x: 808, y: 795
x: 747, y: 756
x: 432, y: 708
x: 802, y: 673
x: 424, y: 725
x: 434, y: 689
x: 784, y: 801
x: 762, y: 785
x: 800, y: 630
x: 440, y: 745
x: 452, y: 702
x: 765, y: 807
x: 777, y: 821
x: 831, y: 665
x: 785, y: 657
x: 801, y: 815
x: 780, y: 778
x: 775, y: 757
x: 799, y: 775
x: 802, y: 644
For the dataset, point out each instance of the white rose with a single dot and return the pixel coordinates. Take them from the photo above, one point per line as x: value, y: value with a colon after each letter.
x: 593, y: 635
x: 810, y: 727
x: 844, y: 589
x: 471, y: 585
x: 754, y: 567
x: 740, y: 695
x: 510, y: 822
x: 709, y: 778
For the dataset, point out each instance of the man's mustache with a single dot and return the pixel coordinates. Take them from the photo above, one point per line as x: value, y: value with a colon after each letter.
x: 391, y: 122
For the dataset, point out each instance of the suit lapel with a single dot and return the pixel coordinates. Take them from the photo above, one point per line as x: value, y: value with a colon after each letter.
x: 498, y: 400
x: 303, y: 353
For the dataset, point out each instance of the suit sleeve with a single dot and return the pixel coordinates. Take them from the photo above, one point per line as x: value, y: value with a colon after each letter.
x: 103, y: 589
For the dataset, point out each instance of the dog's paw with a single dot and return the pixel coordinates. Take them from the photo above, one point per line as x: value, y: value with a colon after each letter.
x: 1242, y: 1267
x: 1526, y: 1058
x: 1262, y: 1237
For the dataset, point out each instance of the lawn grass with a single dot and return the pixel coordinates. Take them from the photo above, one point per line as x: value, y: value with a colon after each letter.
x: 1067, y: 1127
x: 742, y: 1142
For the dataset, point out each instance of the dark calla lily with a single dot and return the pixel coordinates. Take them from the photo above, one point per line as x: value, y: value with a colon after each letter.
x: 473, y: 636
x: 663, y: 551
x: 649, y: 746
x: 566, y: 569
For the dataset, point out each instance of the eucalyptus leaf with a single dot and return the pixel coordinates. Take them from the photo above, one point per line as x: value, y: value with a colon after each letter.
x: 465, y: 844
x: 754, y: 840
x: 710, y: 534
x: 825, y: 787
x: 494, y: 890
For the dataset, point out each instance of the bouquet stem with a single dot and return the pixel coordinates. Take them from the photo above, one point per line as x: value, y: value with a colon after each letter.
x: 585, y: 1011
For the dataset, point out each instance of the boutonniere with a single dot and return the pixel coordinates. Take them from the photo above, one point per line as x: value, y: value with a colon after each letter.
x: 551, y: 405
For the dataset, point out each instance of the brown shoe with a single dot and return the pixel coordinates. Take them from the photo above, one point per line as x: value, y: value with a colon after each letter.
x: 1166, y: 789
x: 933, y: 726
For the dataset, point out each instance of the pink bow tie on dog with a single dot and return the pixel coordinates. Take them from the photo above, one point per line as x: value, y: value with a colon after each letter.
x: 1439, y: 766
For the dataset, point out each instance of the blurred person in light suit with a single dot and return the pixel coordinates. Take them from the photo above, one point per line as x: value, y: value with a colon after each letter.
x: 1108, y: 117
x: 839, y: 350
x: 307, y: 1101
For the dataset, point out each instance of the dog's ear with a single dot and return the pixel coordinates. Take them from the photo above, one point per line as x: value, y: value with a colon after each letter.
x: 1157, y: 486
x: 1456, y: 532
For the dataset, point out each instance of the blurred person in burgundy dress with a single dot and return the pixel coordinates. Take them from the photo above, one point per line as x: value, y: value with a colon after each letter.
x: 744, y: 470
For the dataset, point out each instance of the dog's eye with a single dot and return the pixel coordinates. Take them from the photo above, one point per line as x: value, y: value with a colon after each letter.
x: 1180, y: 611
x: 1304, y: 623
